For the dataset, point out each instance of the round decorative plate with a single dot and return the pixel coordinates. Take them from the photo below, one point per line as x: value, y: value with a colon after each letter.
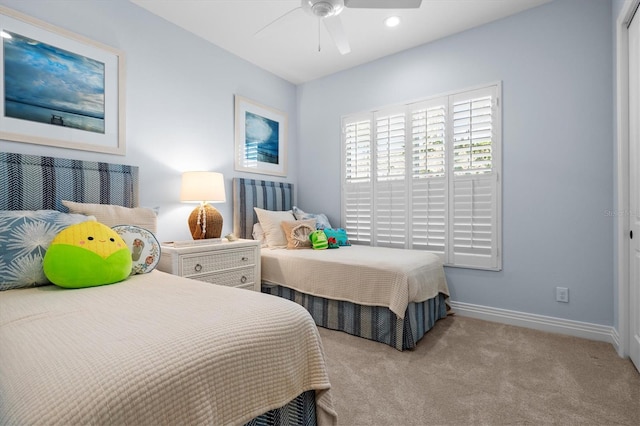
x: 143, y: 245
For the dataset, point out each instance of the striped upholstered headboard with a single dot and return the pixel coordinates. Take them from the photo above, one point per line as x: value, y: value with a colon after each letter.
x: 33, y: 182
x: 250, y: 193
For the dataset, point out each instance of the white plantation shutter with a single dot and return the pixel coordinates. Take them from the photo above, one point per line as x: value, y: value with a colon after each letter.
x: 474, y: 227
x: 426, y: 176
x: 390, y: 193
x: 357, y: 196
x: 472, y: 132
x: 428, y: 128
x: 428, y: 221
x: 474, y: 201
x: 428, y: 183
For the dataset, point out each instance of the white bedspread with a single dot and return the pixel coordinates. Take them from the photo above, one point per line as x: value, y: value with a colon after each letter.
x: 155, y: 349
x: 373, y: 276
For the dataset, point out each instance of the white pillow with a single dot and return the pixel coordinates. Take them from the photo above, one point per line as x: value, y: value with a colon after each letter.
x: 112, y: 215
x: 258, y: 234
x: 270, y: 222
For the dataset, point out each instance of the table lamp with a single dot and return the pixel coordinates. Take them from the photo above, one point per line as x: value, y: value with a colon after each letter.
x: 203, y: 187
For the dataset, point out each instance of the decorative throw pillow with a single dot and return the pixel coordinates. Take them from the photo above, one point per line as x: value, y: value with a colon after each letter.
x: 112, y: 215
x: 143, y: 245
x: 25, y: 236
x: 258, y: 234
x: 297, y: 233
x: 87, y: 254
x: 270, y: 221
x: 339, y: 234
x: 321, y: 219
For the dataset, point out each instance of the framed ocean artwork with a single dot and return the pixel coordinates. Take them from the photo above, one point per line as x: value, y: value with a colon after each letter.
x: 59, y: 88
x: 260, y: 138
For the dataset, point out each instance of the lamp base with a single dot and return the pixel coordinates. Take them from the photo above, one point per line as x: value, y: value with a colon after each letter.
x: 205, y: 221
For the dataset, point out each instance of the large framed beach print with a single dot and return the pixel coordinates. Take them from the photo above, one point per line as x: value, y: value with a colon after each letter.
x: 260, y: 138
x: 59, y: 88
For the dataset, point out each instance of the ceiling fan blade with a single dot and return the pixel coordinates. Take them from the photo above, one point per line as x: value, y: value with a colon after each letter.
x: 334, y: 25
x: 383, y: 4
x: 266, y: 30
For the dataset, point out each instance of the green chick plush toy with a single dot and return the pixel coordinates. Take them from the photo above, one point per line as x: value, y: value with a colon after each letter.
x: 87, y: 254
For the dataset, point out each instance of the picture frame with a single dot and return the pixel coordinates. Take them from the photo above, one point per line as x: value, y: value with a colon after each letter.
x: 74, y: 99
x: 260, y: 138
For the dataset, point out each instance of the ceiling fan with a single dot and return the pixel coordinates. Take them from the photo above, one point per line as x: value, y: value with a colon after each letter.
x: 328, y: 12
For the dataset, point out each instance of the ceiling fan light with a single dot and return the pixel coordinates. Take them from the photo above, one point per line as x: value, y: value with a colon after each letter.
x: 392, y: 21
x: 323, y: 8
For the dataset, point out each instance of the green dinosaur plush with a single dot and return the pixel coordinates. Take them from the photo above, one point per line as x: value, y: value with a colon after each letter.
x: 318, y: 240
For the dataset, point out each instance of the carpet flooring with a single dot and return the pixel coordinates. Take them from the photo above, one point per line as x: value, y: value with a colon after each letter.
x: 472, y: 372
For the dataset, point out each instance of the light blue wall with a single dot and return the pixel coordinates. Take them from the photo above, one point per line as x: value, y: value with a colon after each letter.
x: 179, y: 101
x: 555, y: 63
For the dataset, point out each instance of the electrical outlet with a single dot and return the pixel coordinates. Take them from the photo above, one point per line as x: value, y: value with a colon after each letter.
x: 562, y: 294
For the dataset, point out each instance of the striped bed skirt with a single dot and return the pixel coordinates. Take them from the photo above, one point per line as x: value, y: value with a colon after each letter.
x: 376, y: 323
x: 300, y: 411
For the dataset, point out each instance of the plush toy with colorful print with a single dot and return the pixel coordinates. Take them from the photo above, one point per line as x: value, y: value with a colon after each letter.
x: 87, y: 254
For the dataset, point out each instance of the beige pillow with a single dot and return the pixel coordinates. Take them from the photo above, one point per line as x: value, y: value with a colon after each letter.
x: 297, y: 233
x: 112, y: 215
x: 270, y: 222
x: 258, y: 234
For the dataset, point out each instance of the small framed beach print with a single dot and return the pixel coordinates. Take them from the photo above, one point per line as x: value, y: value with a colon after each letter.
x: 260, y: 138
x: 58, y: 88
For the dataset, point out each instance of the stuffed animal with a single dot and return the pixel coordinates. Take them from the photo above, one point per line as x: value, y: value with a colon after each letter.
x: 333, y: 243
x: 339, y: 234
x: 318, y: 240
x: 87, y: 254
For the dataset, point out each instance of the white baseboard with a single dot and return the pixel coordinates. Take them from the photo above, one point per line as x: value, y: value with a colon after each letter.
x: 585, y: 330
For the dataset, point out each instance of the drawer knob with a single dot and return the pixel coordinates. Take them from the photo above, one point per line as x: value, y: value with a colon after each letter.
x: 243, y: 279
x: 198, y: 267
x: 245, y: 258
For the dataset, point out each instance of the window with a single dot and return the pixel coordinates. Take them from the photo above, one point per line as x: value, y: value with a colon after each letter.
x: 426, y: 176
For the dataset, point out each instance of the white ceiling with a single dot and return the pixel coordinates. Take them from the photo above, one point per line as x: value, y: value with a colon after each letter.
x: 289, y: 48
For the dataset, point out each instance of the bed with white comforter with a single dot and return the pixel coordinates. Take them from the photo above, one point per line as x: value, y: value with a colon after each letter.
x: 154, y: 349
x: 392, y: 296
x: 377, y: 276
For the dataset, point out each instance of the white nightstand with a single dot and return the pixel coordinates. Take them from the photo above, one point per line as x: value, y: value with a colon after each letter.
x: 234, y: 264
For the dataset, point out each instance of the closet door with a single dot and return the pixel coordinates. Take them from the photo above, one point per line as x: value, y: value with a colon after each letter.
x: 634, y: 189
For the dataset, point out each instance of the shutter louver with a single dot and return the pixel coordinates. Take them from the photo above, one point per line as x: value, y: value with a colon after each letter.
x: 474, y: 190
x: 357, y: 189
x: 428, y: 134
x: 472, y: 136
x: 428, y: 187
x: 473, y: 221
x: 428, y: 220
x: 357, y: 212
x: 358, y: 151
x: 390, y: 189
x: 390, y: 147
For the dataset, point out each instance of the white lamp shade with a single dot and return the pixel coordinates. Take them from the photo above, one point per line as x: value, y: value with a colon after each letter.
x: 202, y: 187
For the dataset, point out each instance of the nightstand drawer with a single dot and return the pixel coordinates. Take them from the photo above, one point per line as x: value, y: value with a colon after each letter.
x: 233, y: 263
x: 241, y: 278
x: 215, y: 261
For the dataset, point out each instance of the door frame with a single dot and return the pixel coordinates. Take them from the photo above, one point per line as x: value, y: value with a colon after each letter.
x: 622, y: 148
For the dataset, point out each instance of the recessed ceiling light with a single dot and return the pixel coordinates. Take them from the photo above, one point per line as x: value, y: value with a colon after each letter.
x: 392, y: 21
